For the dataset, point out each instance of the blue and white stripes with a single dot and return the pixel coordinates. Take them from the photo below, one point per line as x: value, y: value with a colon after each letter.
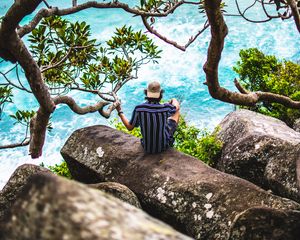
x: 152, y: 119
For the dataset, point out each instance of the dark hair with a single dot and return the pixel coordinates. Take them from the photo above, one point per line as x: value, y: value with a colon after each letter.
x: 154, y: 99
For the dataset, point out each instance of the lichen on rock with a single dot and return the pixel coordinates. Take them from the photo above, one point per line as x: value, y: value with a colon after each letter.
x: 178, y: 189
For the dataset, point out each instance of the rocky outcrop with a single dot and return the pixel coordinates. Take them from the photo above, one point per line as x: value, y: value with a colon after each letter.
x: 18, y: 179
x: 172, y: 186
x: 119, y: 191
x: 261, y: 149
x: 263, y: 223
x: 51, y: 207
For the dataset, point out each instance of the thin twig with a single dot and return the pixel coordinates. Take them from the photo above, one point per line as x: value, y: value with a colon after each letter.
x: 47, y: 5
x: 25, y: 142
x: 247, y: 19
x: 13, y: 84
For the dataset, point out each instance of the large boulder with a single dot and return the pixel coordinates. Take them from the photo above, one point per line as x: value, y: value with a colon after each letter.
x: 51, y: 207
x: 261, y: 223
x: 119, y: 191
x: 261, y: 149
x: 179, y: 189
x: 18, y: 179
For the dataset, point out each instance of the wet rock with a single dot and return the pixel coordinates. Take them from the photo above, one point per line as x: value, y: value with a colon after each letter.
x: 119, y: 191
x: 52, y: 207
x: 18, y: 179
x: 261, y: 149
x: 179, y: 189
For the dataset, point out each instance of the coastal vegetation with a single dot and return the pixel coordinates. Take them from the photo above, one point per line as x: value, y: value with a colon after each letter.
x: 260, y: 72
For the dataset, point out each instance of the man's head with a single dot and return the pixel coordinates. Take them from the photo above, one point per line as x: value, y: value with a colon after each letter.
x: 154, y: 91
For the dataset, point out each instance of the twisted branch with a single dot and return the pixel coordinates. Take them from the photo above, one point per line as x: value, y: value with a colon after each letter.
x: 92, y: 4
x: 76, y: 108
x: 13, y: 49
x: 218, y: 32
x: 171, y: 42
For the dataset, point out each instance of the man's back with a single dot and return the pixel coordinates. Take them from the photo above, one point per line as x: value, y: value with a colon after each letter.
x: 153, y: 121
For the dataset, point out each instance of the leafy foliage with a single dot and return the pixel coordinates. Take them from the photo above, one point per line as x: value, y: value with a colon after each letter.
x: 199, y: 143
x: 260, y: 72
x: 254, y: 67
x: 147, y: 5
x: 119, y: 126
x: 61, y: 170
x: 190, y: 140
x: 5, y: 97
x: 70, y: 58
x: 23, y: 117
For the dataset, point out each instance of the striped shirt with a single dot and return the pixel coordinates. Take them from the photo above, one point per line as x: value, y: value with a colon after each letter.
x: 152, y: 119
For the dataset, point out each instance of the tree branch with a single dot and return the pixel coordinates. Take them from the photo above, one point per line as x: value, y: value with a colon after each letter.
x: 242, y: 14
x: 25, y: 142
x: 77, y: 109
x: 240, y: 87
x: 14, y: 85
x: 92, y: 4
x: 38, y: 124
x: 295, y: 12
x: 38, y: 127
x: 171, y: 42
x: 111, y: 107
x: 13, y: 49
x: 218, y: 33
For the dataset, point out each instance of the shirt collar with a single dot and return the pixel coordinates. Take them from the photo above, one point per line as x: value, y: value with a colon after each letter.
x: 150, y: 102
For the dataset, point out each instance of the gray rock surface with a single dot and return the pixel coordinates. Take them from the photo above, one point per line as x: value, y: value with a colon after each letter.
x: 179, y: 189
x: 261, y: 149
x: 119, y: 191
x: 53, y: 207
x: 265, y: 224
x: 296, y: 125
x: 18, y: 179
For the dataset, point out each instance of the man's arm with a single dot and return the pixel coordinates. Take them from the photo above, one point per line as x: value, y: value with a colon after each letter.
x: 175, y: 103
x: 176, y: 115
x: 124, y: 118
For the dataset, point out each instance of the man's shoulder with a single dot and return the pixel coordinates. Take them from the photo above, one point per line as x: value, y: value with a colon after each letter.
x: 151, y: 106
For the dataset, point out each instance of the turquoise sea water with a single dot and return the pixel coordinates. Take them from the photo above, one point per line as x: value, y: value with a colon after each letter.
x: 179, y: 72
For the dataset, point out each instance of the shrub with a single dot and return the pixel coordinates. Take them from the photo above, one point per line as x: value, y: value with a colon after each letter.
x: 190, y: 140
x: 260, y: 72
x: 119, y: 126
x: 61, y: 170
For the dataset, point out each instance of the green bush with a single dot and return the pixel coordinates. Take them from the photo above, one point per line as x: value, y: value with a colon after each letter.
x: 190, y: 140
x: 61, y: 170
x: 260, y: 72
x: 119, y: 126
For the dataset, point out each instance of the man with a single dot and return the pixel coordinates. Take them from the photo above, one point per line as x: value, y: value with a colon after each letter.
x: 158, y: 122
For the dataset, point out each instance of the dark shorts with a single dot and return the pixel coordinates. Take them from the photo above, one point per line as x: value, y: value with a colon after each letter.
x: 172, y: 126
